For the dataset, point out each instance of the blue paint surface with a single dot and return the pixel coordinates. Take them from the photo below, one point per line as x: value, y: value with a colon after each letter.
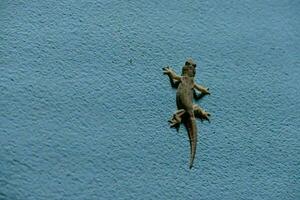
x: 84, y: 105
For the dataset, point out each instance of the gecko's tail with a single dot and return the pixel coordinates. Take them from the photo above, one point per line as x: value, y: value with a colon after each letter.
x: 192, y: 133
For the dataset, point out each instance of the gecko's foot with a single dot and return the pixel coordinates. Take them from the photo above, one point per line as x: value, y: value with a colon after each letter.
x: 205, y: 116
x: 176, y: 119
x: 174, y: 122
x: 201, y: 113
x: 167, y: 70
x: 175, y: 125
x: 205, y: 91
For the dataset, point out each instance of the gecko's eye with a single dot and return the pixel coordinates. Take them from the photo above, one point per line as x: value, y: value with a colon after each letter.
x: 187, y: 63
x: 194, y: 65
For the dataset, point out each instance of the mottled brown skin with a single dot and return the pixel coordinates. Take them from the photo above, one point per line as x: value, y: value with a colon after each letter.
x: 186, y: 110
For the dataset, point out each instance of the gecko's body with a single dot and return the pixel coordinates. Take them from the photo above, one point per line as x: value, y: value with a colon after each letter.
x: 186, y: 110
x: 184, y: 100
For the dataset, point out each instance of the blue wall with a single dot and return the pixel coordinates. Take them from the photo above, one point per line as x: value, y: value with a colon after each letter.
x: 84, y: 105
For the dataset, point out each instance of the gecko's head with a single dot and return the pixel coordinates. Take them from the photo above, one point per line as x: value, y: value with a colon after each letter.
x: 189, y: 68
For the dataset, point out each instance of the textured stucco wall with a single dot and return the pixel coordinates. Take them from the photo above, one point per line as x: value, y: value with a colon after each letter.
x: 84, y: 104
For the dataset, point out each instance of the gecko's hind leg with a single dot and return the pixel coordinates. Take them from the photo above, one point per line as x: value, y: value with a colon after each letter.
x: 201, y: 113
x: 176, y: 119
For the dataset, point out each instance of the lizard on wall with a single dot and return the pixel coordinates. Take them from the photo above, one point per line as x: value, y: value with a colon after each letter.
x: 186, y: 110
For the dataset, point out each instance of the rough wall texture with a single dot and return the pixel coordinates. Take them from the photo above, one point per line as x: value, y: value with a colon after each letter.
x: 84, y: 104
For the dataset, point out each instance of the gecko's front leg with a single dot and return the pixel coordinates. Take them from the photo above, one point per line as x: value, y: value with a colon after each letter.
x: 172, y: 75
x: 201, y: 89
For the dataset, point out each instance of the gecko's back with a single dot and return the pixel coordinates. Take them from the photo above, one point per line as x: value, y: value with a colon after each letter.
x: 184, y: 94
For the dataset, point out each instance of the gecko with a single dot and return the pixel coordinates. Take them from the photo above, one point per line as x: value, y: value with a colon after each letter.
x: 187, y: 111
